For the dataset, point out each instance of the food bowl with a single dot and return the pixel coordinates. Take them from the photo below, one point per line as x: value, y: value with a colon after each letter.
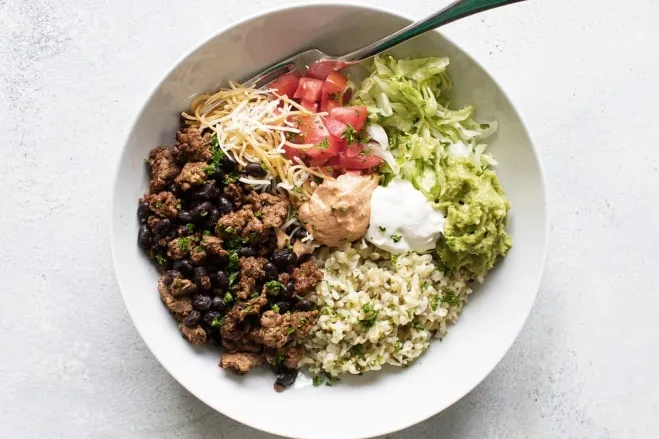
x: 377, y: 402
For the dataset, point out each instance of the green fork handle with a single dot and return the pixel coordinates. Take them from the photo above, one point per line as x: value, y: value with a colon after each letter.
x: 451, y: 13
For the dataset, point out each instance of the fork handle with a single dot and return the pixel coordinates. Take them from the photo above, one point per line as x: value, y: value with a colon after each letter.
x: 451, y: 13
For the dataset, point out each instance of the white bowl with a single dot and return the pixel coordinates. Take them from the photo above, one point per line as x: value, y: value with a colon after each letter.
x: 378, y: 402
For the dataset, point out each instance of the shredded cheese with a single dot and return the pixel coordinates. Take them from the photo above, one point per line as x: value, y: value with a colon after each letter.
x: 254, y: 126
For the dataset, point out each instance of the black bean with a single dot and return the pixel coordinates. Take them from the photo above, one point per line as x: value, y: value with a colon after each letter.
x: 228, y: 164
x: 220, y: 279
x: 224, y: 205
x: 213, y: 217
x: 246, y: 252
x: 283, y: 258
x: 284, y: 307
x: 144, y: 236
x: 289, y: 290
x: 300, y: 234
x: 201, y: 211
x: 206, y: 191
x: 176, y: 190
x: 212, y: 316
x: 271, y: 271
x: 164, y: 227
x: 143, y: 212
x: 218, y: 175
x: 255, y: 170
x: 192, y: 318
x: 201, y: 302
x: 303, y: 305
x: 184, y: 266
x: 199, y: 274
x: 170, y: 275
x: 285, y: 378
x: 217, y: 303
x: 185, y: 216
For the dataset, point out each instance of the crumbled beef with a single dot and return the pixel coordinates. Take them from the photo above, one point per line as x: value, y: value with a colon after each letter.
x: 246, y: 286
x: 254, y: 199
x: 233, y: 330
x: 306, y: 276
x: 193, y: 174
x: 194, y: 334
x: 303, y: 322
x: 251, y: 307
x: 182, y: 287
x: 234, y: 193
x: 242, y: 223
x: 244, y: 345
x: 163, y: 168
x: 274, y: 330
x: 241, y: 363
x: 192, y: 146
x: 292, y: 356
x: 163, y: 204
x: 252, y: 267
x: 284, y: 278
x: 274, y: 210
x: 179, y: 248
x: 197, y: 255
x: 180, y: 307
x: 213, y: 246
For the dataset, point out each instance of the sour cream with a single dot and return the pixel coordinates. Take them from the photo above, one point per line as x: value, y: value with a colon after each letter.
x: 402, y: 220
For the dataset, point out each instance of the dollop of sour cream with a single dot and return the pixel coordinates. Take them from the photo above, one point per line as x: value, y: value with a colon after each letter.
x: 402, y: 220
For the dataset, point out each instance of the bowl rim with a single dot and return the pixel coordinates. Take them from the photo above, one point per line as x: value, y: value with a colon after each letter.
x: 288, y: 7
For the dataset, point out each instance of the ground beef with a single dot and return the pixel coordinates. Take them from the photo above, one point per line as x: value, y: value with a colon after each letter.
x: 163, y: 168
x: 274, y: 210
x: 197, y: 255
x: 242, y: 223
x: 241, y: 363
x: 178, y: 248
x: 243, y: 345
x: 213, y: 246
x: 182, y: 287
x: 179, y: 307
x: 252, y: 307
x: 232, y: 330
x: 306, y: 277
x: 192, y: 146
x: 193, y: 174
x: 194, y: 334
x: 252, y: 267
x: 247, y: 287
x: 163, y: 204
x: 253, y: 199
x: 292, y: 356
x: 234, y: 193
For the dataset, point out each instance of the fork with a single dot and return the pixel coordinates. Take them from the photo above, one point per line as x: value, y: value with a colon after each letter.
x: 324, y: 63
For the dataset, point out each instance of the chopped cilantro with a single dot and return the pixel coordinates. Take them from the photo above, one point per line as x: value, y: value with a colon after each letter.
x: 382, y: 229
x: 273, y: 287
x: 324, y: 144
x: 398, y: 346
x: 418, y: 326
x: 204, y: 213
x: 232, y: 277
x: 217, y: 322
x: 183, y: 244
x: 231, y: 177
x: 450, y: 297
x: 425, y: 284
x: 208, y: 169
x: 394, y: 259
x: 190, y: 227
x: 227, y: 298
x: 326, y: 378
x: 290, y: 330
x: 160, y: 260
x: 349, y: 134
x: 254, y: 295
x: 363, y: 138
x: 178, y: 206
x: 396, y: 237
x: 158, y: 205
x: 206, y: 233
x: 229, y: 230
x: 303, y: 321
x: 370, y: 315
x: 434, y: 302
x: 275, y: 308
x: 279, y: 359
x: 259, y: 213
x: 233, y: 259
x: 318, y: 380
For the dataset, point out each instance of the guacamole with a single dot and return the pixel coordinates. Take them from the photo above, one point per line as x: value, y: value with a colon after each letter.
x: 476, y: 210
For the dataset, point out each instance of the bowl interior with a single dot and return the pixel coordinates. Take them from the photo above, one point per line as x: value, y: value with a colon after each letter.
x: 375, y: 403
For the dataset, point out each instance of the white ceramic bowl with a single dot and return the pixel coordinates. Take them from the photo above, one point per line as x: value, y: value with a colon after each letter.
x: 375, y: 403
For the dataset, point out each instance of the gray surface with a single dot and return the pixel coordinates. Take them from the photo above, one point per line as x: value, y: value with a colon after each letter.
x: 72, y: 77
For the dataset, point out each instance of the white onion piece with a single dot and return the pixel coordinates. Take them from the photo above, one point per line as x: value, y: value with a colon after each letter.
x: 380, y: 146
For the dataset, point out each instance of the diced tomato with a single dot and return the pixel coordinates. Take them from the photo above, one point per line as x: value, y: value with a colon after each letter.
x: 353, y: 116
x: 353, y: 150
x: 359, y: 162
x: 321, y: 69
x: 335, y: 127
x: 335, y: 83
x: 328, y: 147
x: 310, y: 105
x: 309, y: 89
x: 311, y: 129
x: 327, y: 102
x: 285, y: 85
x: 293, y: 152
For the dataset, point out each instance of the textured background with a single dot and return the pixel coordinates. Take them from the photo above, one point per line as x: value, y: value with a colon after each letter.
x: 72, y: 76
